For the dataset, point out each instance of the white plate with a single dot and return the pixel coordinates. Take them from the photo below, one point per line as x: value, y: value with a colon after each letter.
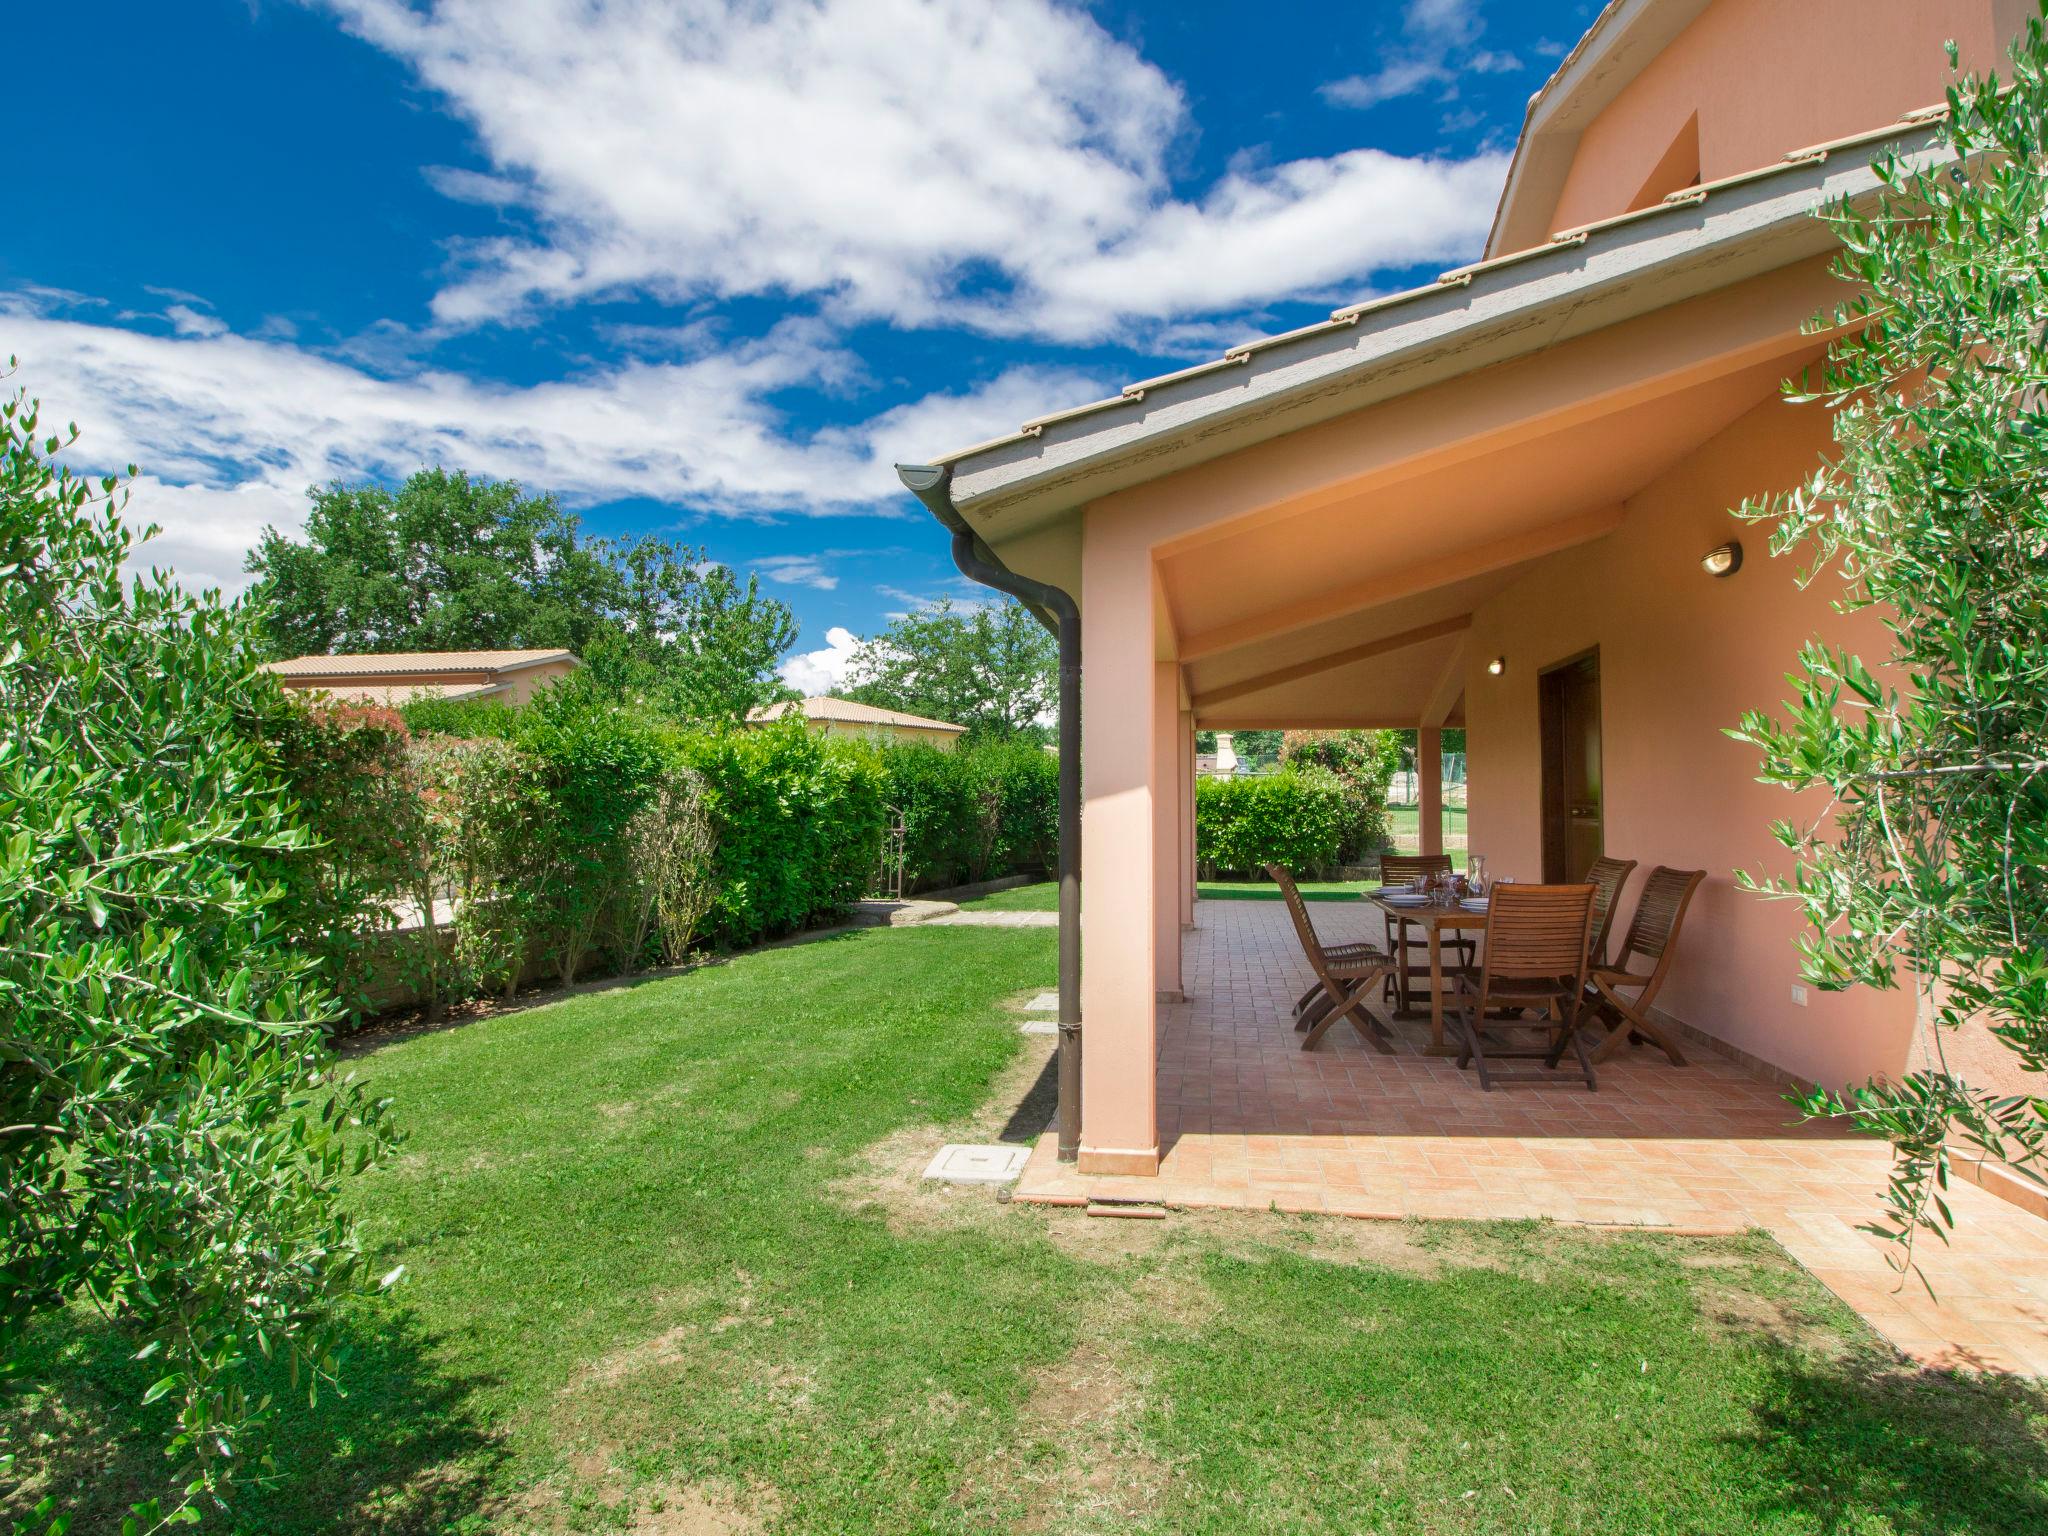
x: 1404, y: 899
x: 1473, y: 904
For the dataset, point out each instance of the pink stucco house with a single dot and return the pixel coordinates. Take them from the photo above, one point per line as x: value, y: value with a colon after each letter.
x: 1486, y: 502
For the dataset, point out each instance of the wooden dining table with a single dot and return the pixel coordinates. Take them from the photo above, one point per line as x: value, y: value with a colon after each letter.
x: 1435, y: 919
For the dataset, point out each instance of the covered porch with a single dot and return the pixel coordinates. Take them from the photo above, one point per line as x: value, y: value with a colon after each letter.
x: 1247, y: 1120
x: 1419, y: 514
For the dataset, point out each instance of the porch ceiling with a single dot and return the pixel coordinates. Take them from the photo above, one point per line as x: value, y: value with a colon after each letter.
x: 1349, y: 611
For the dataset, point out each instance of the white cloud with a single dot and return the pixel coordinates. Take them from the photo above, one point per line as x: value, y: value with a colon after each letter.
x: 797, y: 571
x: 941, y: 423
x: 187, y: 321
x: 821, y: 671
x: 1401, y: 77
x: 231, y: 430
x: 206, y: 529
x: 1439, y: 42
x: 920, y: 161
x: 1297, y: 228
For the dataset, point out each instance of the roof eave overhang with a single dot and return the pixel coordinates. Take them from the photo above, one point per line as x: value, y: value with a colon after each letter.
x: 1702, y: 240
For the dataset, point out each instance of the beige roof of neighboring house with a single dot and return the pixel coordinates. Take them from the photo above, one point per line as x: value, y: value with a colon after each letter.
x: 392, y: 694
x: 847, y: 712
x: 402, y: 662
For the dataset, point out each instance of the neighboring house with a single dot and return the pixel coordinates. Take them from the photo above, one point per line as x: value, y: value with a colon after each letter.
x: 1499, y: 501
x: 510, y: 677
x: 843, y: 717
x: 1220, y: 764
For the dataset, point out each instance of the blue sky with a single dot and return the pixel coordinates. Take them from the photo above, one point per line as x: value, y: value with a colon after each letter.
x: 705, y: 268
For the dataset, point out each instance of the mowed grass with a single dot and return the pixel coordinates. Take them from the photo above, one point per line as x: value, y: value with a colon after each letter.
x: 671, y: 1271
x: 1040, y: 896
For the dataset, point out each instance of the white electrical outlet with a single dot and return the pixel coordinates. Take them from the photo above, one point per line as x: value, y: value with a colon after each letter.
x: 1798, y: 995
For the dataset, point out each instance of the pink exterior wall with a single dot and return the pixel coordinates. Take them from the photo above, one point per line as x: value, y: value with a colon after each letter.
x: 1770, y: 76
x: 1682, y: 655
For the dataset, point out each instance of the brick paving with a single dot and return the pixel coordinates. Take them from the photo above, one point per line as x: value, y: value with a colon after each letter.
x: 1248, y: 1120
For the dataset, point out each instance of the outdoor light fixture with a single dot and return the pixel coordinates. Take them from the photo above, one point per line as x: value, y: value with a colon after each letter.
x: 1723, y: 560
x: 1498, y: 665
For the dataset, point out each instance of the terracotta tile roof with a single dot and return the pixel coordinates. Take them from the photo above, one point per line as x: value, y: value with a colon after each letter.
x: 848, y: 712
x: 401, y: 662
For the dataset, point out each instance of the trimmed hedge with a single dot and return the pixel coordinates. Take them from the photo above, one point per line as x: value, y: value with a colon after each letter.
x: 973, y: 813
x: 1295, y: 818
x: 799, y: 820
x: 560, y: 828
x: 1364, y: 764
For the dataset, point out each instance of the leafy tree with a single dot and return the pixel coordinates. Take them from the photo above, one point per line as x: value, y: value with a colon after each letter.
x: 1363, y: 763
x: 991, y: 668
x: 172, y: 1133
x: 447, y: 563
x: 1930, y: 854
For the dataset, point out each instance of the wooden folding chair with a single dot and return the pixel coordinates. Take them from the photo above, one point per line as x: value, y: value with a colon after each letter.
x: 1345, y: 977
x: 1607, y: 877
x: 1406, y: 940
x: 1653, y: 934
x: 1536, y: 939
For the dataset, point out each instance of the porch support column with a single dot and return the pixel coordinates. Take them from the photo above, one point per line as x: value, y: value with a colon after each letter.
x: 1187, y: 820
x: 1119, y: 1119
x: 1166, y: 799
x: 1429, y: 787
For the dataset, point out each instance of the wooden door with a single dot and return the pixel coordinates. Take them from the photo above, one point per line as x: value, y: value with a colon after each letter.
x: 1573, y: 828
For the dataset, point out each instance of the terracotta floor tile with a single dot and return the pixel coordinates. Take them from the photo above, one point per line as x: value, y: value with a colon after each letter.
x: 1252, y: 1121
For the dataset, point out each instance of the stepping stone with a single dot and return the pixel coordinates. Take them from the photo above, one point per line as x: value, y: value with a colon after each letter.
x: 1039, y: 1027
x: 958, y: 1163
x: 1045, y: 1002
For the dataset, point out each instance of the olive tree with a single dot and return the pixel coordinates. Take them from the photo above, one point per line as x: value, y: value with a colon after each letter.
x: 173, y: 1133
x: 1926, y: 860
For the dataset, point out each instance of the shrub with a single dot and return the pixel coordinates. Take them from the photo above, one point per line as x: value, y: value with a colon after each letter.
x: 175, y: 1136
x: 799, y: 821
x: 945, y: 825
x: 597, y: 769
x: 1921, y: 842
x: 973, y: 813
x: 1020, y: 789
x: 492, y: 816
x: 351, y: 771
x: 667, y: 886
x: 1294, y: 818
x: 1363, y: 763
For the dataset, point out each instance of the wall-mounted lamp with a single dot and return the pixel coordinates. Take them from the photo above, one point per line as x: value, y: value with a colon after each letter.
x: 1723, y: 560
x: 1498, y: 665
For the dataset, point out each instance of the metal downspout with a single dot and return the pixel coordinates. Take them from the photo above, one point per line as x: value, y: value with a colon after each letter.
x: 933, y: 485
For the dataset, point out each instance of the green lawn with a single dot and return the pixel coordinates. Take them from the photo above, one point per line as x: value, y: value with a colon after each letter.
x: 1265, y: 890
x: 1404, y: 821
x: 672, y: 1271
x: 1043, y: 896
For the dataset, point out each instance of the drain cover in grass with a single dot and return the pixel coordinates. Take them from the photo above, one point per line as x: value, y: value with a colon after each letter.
x: 958, y: 1163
